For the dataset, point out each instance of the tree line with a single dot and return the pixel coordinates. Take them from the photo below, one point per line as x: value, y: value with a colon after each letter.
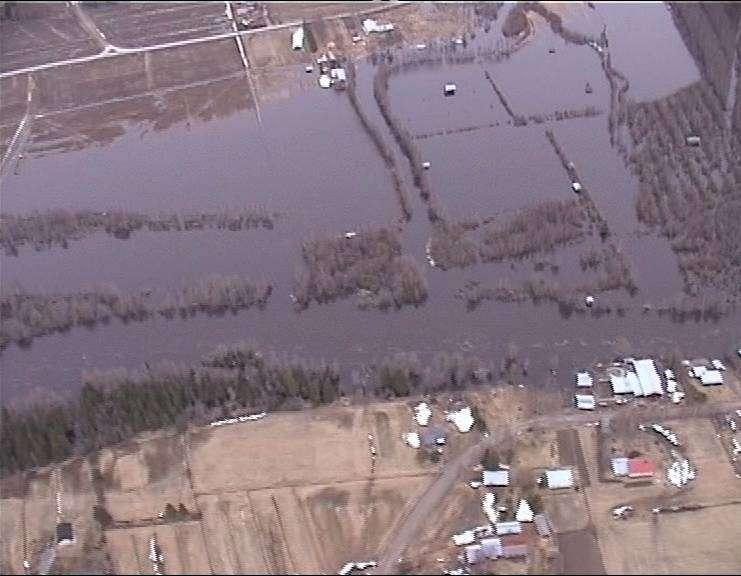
x: 233, y: 380
x: 26, y: 316
x: 58, y: 227
x: 114, y: 406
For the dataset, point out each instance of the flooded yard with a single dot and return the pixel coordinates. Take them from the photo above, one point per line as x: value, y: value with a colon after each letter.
x: 213, y: 142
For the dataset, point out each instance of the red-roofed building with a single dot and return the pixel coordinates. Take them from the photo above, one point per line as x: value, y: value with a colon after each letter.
x: 640, y: 468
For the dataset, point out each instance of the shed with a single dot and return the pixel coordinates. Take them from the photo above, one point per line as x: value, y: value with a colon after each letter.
x: 338, y: 74
x: 491, y: 548
x: 559, y: 478
x: 325, y: 81
x: 524, y: 512
x: 473, y: 553
x: 648, y: 378
x: 576, y: 187
x: 619, y: 466
x: 711, y: 377
x: 464, y: 538
x: 297, y: 39
x: 693, y: 141
x: 432, y: 436
x: 718, y: 365
x: 512, y: 527
x: 640, y: 467
x: 370, y: 26
x: 584, y: 401
x: 422, y: 414
x: 450, y: 89
x: 496, y: 477
x: 584, y: 380
x: 542, y: 525
x: 65, y: 534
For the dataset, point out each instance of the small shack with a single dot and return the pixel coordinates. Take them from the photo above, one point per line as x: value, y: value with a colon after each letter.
x: 434, y: 436
x: 505, y: 528
x: 65, y: 535
x: 584, y: 380
x: 491, y: 548
x: 620, y: 466
x: 584, y: 401
x: 711, y: 378
x: 297, y: 39
x: 370, y: 26
x: 450, y: 89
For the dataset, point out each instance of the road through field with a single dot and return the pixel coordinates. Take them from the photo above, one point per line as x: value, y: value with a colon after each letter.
x: 112, y: 51
x: 432, y: 498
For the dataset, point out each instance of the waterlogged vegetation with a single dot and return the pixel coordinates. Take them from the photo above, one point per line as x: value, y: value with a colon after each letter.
x: 368, y: 263
x: 538, y: 228
x: 43, y: 230
x: 26, y: 316
x: 690, y: 193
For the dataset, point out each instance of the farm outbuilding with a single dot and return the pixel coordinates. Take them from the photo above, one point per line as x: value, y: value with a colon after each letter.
x: 496, y: 477
x: 297, y: 39
x: 560, y: 478
x: 65, y: 535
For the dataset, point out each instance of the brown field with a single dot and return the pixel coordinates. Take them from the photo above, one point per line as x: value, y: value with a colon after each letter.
x: 292, y: 493
x: 688, y: 542
x: 135, y: 24
x: 692, y: 541
x: 47, y: 31
x: 281, y: 12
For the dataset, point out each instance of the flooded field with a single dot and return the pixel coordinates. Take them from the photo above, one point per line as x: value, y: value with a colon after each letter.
x: 189, y: 130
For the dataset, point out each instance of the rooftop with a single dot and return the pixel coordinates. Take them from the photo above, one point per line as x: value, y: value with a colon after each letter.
x: 496, y: 477
x: 560, y: 478
x: 639, y: 467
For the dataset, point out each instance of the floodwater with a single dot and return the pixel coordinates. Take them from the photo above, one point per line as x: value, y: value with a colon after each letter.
x: 310, y: 159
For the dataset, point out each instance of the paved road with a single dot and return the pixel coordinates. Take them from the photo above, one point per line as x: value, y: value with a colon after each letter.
x: 412, y: 525
x: 112, y: 51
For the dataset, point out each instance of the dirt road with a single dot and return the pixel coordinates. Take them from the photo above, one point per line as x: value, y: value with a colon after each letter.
x: 430, y: 500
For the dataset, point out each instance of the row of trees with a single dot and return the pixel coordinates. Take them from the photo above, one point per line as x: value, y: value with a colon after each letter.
x: 402, y: 136
x: 26, y: 316
x: 379, y: 142
x: 233, y: 380
x: 370, y: 262
x: 113, y: 406
x: 59, y: 226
